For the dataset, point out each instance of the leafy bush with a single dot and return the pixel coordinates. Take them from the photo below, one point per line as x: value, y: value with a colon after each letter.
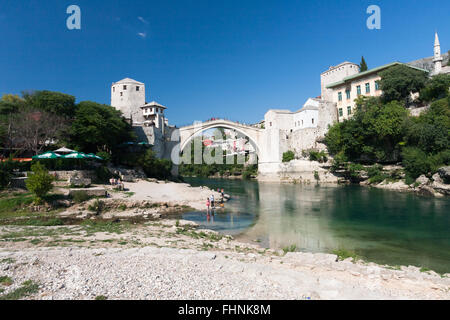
x: 105, y: 155
x: 338, y: 162
x: 5, y: 175
x: 436, y: 88
x: 103, y: 174
x: 288, y: 156
x: 415, y: 162
x: 354, y: 170
x: 40, y: 182
x: 154, y: 167
x: 318, y: 156
x: 80, y: 196
x: 97, y: 206
x: 249, y: 171
x: 376, y: 174
x: 291, y: 248
x: 377, y: 179
x: 374, y: 170
x: 316, y: 175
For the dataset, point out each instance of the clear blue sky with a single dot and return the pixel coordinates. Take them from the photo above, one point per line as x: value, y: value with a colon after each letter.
x: 207, y: 58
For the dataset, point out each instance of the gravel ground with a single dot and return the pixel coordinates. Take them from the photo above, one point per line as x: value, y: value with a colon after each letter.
x: 170, y: 273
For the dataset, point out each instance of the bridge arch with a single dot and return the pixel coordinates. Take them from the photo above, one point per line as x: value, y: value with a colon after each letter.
x: 254, y: 134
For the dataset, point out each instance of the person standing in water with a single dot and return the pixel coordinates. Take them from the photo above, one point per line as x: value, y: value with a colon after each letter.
x: 211, y: 199
x: 207, y: 206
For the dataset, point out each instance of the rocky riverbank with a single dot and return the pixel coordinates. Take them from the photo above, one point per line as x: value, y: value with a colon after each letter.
x: 313, y: 172
x: 173, y: 260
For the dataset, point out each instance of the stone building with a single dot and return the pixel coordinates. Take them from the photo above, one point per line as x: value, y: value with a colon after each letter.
x: 340, y: 86
x: 147, y: 119
x: 127, y: 96
x: 348, y: 89
x: 300, y: 130
x: 344, y: 83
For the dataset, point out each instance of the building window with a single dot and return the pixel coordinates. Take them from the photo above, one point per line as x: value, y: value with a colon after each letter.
x: 377, y: 85
x: 367, y: 87
x: 124, y: 87
x: 349, y: 110
x: 270, y: 123
x: 358, y: 90
x: 312, y: 120
x: 340, y: 112
x: 121, y: 94
x: 347, y: 92
x: 340, y: 96
x: 114, y: 89
x: 302, y: 122
x: 137, y: 88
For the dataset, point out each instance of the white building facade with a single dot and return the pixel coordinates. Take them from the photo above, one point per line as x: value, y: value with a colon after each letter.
x: 147, y: 119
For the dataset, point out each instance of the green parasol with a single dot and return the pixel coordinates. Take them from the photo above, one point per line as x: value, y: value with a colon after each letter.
x: 47, y: 155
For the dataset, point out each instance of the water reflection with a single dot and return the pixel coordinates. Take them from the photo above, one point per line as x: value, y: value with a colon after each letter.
x: 383, y: 226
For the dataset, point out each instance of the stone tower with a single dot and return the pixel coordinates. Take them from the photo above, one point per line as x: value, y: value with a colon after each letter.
x: 437, y: 60
x: 128, y: 96
x: 336, y: 74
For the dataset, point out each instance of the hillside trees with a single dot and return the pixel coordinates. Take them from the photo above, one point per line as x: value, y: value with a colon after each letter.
x: 399, y: 81
x: 56, y: 103
x: 374, y: 133
x: 383, y: 131
x: 436, y: 88
x: 98, y: 127
x: 33, y: 129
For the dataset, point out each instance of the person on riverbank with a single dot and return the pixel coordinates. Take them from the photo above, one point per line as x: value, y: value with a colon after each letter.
x: 207, y: 206
x: 211, y: 199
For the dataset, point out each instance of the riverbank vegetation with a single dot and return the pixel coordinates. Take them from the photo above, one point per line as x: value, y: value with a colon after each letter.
x: 30, y: 121
x: 383, y: 131
x: 233, y: 165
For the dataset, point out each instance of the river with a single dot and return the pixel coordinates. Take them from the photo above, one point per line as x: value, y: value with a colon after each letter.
x: 381, y: 226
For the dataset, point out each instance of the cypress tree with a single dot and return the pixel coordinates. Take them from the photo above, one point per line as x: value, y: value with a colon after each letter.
x: 363, y: 65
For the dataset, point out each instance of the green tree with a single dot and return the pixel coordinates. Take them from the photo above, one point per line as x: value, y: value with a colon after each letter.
x: 399, y: 81
x: 39, y: 182
x: 363, y: 65
x: 154, y: 167
x: 9, y: 106
x: 374, y: 133
x: 6, y: 172
x: 430, y: 131
x: 415, y: 161
x: 98, y: 127
x: 53, y: 102
x: 436, y: 88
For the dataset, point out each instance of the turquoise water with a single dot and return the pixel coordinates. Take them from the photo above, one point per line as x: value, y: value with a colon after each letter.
x: 382, y: 226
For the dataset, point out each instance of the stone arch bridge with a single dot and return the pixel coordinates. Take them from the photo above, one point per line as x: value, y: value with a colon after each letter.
x: 266, y: 142
x: 255, y: 134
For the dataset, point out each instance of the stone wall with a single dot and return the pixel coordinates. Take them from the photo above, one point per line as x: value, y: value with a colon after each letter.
x: 309, y: 138
x: 65, y: 175
x: 302, y: 171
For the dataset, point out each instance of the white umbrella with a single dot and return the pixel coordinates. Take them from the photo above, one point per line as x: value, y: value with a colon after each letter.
x: 64, y: 150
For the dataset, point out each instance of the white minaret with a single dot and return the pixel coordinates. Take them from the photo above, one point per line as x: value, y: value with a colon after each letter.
x: 437, y: 60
